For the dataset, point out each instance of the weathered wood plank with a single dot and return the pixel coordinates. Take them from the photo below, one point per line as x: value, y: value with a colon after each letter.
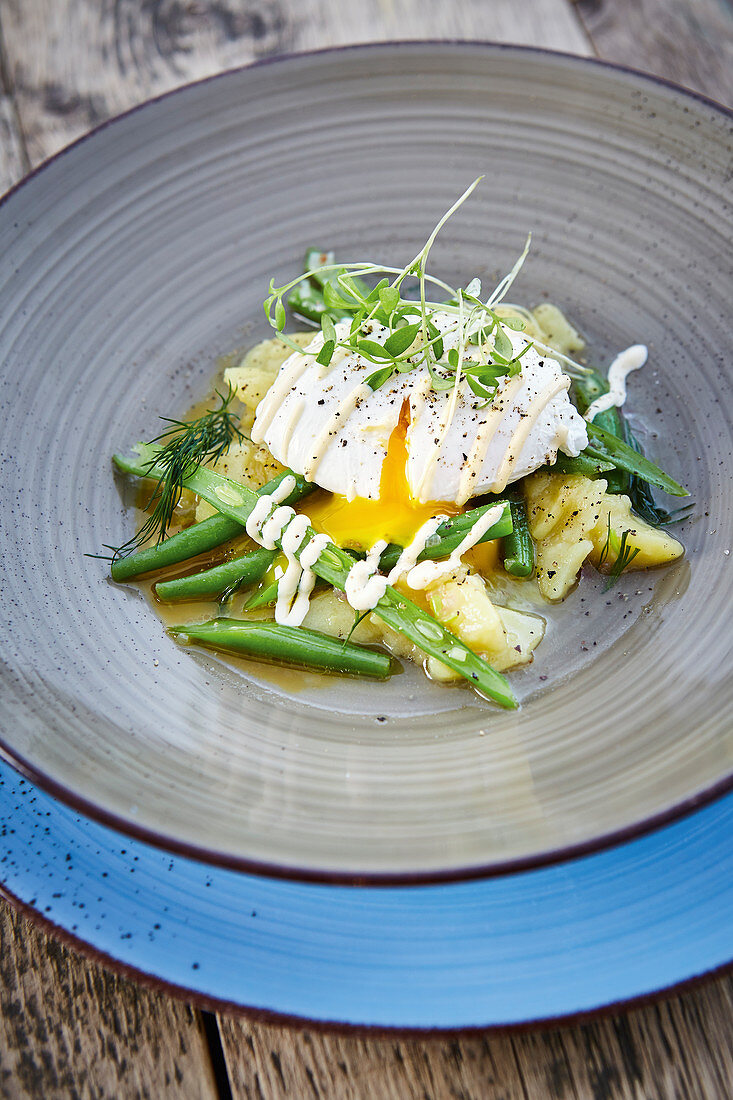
x: 13, y: 156
x: 688, y: 41
x: 74, y: 63
x: 70, y: 1030
x: 679, y: 1049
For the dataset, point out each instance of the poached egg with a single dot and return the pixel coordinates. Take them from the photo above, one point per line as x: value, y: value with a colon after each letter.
x: 395, y: 456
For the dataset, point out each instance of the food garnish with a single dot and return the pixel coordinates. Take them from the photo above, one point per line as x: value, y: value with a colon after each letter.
x: 374, y: 458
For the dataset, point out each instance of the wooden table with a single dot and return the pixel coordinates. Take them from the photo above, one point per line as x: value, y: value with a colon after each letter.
x: 72, y: 1029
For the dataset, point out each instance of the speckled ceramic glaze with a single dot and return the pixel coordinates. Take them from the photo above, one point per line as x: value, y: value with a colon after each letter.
x: 513, y: 949
x: 134, y: 259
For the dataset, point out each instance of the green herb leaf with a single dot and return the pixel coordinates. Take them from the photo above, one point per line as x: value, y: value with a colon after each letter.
x: 327, y: 327
x: 379, y: 377
x: 325, y: 355
x: 436, y: 339
x: 389, y: 296
x: 372, y: 350
x: 401, y: 339
x: 280, y: 316
x: 502, y: 343
x: 334, y: 299
x: 374, y: 294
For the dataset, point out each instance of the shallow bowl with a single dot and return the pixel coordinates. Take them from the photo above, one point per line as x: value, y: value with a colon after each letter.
x: 135, y: 258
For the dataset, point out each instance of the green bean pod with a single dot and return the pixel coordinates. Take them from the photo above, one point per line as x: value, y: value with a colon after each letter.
x: 227, y: 577
x: 287, y: 645
x: 199, y: 538
x: 518, y: 547
x: 194, y: 540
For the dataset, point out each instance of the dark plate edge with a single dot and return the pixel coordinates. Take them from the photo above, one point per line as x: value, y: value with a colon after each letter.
x: 264, y: 869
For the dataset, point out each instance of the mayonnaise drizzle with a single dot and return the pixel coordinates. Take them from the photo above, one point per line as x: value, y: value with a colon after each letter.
x: 364, y: 586
x: 298, y: 579
x: 272, y: 529
x: 408, y: 558
x: 472, y: 467
x: 627, y: 361
x: 428, y: 571
x: 264, y: 508
x: 286, y: 611
x: 335, y: 422
x: 522, y: 430
x: 291, y: 370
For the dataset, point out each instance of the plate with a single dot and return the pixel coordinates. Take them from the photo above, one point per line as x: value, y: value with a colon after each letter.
x: 563, y: 940
x: 135, y: 257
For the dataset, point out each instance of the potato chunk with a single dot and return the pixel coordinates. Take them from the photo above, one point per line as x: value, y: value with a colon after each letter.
x: 255, y: 374
x: 504, y: 637
x: 568, y: 518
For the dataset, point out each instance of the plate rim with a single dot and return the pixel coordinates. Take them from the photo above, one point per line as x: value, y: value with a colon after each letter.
x: 208, y: 1001
x: 264, y: 868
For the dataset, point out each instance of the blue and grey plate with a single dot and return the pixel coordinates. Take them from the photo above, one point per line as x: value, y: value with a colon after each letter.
x: 135, y: 258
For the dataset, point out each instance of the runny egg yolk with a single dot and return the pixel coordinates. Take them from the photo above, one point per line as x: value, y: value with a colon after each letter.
x: 396, y: 516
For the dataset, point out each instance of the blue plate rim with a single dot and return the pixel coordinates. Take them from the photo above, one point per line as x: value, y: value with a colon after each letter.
x: 208, y: 1003
x: 38, y: 830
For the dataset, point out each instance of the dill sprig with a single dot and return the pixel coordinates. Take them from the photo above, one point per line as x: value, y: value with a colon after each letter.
x: 186, y: 445
x: 624, y: 554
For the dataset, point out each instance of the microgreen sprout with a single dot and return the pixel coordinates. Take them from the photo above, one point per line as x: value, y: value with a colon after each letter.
x: 461, y: 337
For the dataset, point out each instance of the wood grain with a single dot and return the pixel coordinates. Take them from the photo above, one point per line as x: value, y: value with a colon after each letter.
x: 688, y: 41
x: 74, y: 63
x: 679, y: 1048
x: 70, y: 1030
x: 14, y: 161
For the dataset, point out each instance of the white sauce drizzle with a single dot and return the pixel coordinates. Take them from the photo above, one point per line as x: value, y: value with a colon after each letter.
x: 292, y: 369
x: 265, y: 506
x: 428, y: 571
x: 313, y: 550
x: 472, y: 468
x: 364, y: 586
x: 408, y: 558
x: 333, y: 426
x: 272, y: 529
x: 627, y: 361
x: 291, y: 612
x: 521, y: 432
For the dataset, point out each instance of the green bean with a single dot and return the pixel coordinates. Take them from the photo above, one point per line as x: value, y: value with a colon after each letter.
x: 197, y: 539
x: 518, y: 546
x: 333, y: 566
x: 587, y: 389
x: 604, y: 445
x: 581, y: 464
x: 288, y: 645
x: 440, y: 544
x: 230, y: 575
x: 451, y: 534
